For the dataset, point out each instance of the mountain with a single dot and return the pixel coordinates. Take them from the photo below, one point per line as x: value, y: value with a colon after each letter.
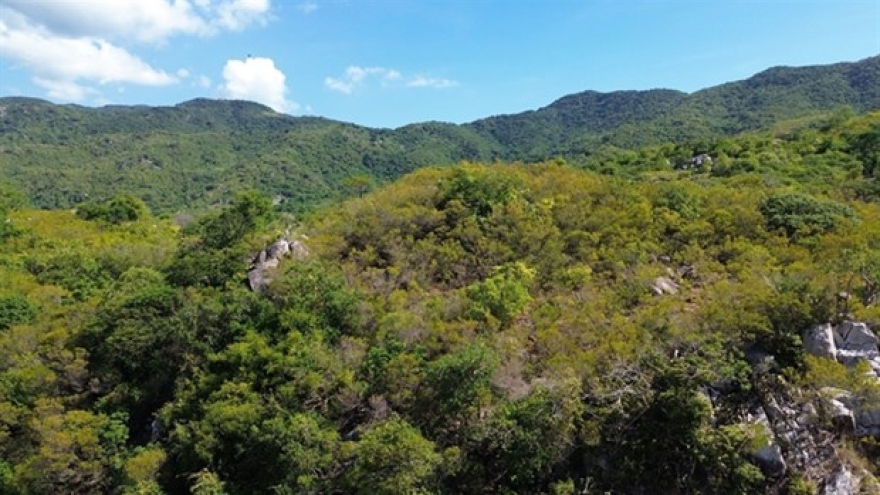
x: 194, y: 154
x: 575, y: 123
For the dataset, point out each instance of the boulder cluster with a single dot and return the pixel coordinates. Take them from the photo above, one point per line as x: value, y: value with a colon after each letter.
x: 268, y: 259
x: 849, y: 343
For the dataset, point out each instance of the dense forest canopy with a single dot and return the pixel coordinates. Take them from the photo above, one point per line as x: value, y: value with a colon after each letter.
x: 195, y: 155
x: 630, y: 322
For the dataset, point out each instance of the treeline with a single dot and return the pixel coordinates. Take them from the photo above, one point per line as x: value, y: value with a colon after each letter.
x: 473, y: 329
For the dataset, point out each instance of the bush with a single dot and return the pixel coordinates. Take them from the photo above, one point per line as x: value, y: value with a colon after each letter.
x: 14, y: 310
x: 119, y: 209
x: 802, y: 215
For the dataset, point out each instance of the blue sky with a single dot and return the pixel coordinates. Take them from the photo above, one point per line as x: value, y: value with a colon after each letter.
x: 387, y: 63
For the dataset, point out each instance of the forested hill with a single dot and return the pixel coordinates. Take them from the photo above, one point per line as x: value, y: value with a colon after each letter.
x: 533, y: 329
x: 577, y: 123
x: 191, y: 155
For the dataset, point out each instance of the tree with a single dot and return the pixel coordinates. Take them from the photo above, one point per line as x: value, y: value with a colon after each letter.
x: 504, y: 295
x: 118, y: 209
x: 800, y: 215
x: 216, y: 251
x: 866, y: 147
x: 15, y: 309
x: 390, y: 459
x: 10, y: 200
x: 455, y: 385
x: 524, y: 444
x: 76, y: 451
x: 358, y: 185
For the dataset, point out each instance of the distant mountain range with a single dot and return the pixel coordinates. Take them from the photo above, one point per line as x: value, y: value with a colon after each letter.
x: 192, y: 155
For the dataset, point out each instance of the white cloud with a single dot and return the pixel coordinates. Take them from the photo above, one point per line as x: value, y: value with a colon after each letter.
x: 59, y: 64
x: 204, y: 82
x: 70, y: 47
x: 429, y: 82
x: 356, y: 77
x: 256, y: 79
x: 148, y: 21
x: 139, y: 20
x: 237, y: 14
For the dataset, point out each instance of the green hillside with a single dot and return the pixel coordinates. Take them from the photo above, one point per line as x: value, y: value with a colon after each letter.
x: 481, y: 328
x: 193, y: 155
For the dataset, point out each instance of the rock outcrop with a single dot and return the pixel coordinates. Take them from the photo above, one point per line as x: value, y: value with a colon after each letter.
x: 849, y: 343
x: 819, y: 341
x: 768, y: 457
x: 268, y: 259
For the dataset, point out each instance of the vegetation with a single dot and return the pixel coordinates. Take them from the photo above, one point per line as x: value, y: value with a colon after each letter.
x: 479, y: 328
x: 195, y: 155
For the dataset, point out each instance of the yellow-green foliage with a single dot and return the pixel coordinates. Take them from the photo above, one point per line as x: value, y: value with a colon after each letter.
x: 499, y: 328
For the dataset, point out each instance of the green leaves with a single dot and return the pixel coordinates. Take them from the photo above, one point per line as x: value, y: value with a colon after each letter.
x: 118, y: 209
x: 15, y: 309
x: 479, y: 190
x: 504, y: 295
x: 800, y: 215
x: 392, y: 458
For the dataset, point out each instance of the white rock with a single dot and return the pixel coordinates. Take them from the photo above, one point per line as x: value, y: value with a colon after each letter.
x: 664, y: 285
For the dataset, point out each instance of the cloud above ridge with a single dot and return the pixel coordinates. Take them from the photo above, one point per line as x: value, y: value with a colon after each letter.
x: 257, y: 79
x: 356, y: 77
x: 72, y: 48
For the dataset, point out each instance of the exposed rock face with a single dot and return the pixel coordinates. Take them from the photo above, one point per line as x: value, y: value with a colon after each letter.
x: 848, y: 343
x: 269, y: 259
x: 842, y: 415
x: 855, y: 341
x: 819, y: 341
x: 768, y: 457
x: 867, y: 420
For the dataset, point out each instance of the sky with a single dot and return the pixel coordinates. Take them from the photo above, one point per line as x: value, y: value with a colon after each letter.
x: 388, y: 63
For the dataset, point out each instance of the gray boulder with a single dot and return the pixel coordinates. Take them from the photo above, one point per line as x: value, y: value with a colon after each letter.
x: 867, y: 420
x: 855, y: 342
x: 820, y: 341
x: 842, y: 415
x: 768, y: 457
x: 298, y: 250
x: 855, y: 336
x: 268, y: 259
x: 277, y: 249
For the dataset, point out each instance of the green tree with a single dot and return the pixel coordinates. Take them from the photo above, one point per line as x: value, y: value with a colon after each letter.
x: 392, y: 458
x: 215, y: 252
x: 358, y: 185
x: 504, y: 295
x: 800, y: 215
x: 866, y: 147
x: 522, y: 446
x: 454, y: 388
x: 15, y: 309
x: 118, y: 209
x: 10, y: 200
x: 77, y: 451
